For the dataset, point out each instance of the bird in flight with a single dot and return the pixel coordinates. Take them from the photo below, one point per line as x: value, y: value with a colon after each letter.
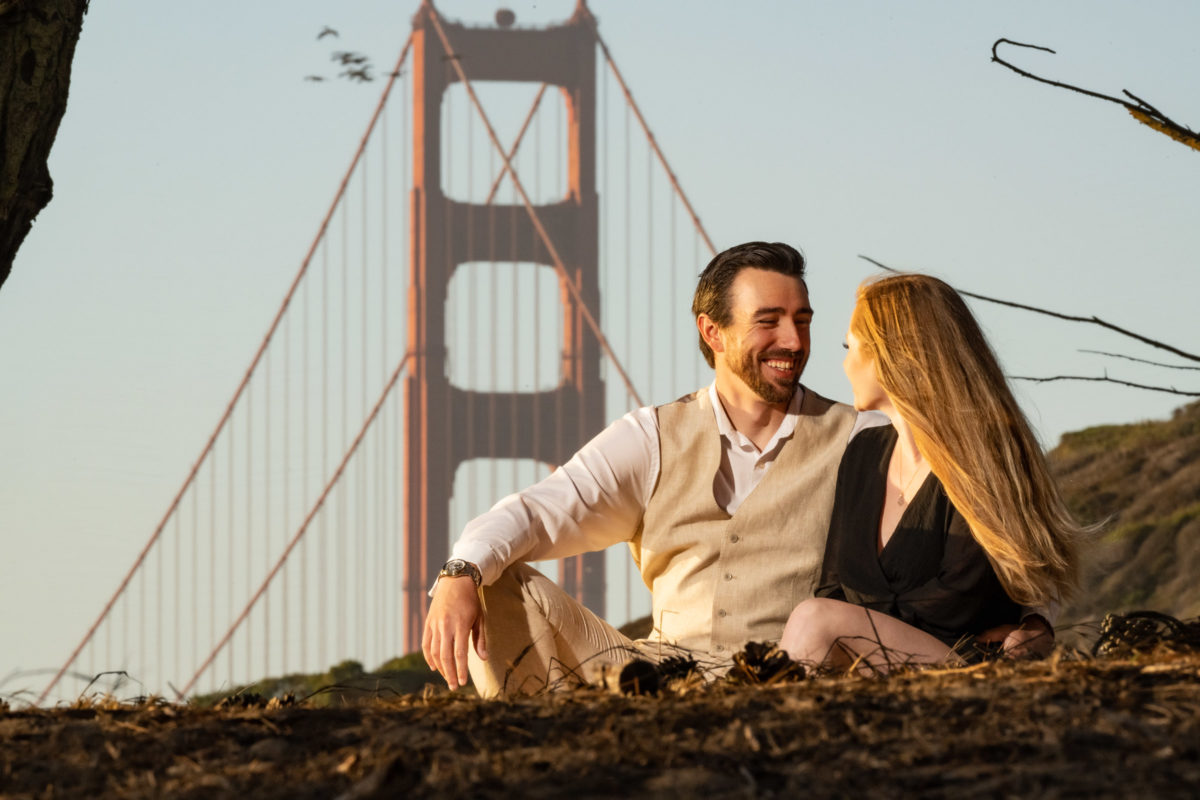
x: 349, y: 58
x: 362, y: 74
x: 326, y: 31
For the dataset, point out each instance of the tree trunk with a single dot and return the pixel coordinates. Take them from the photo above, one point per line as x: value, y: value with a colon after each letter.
x: 37, y: 44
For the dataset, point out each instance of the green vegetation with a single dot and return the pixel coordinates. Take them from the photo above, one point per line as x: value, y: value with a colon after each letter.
x: 345, y: 683
x: 1105, y: 439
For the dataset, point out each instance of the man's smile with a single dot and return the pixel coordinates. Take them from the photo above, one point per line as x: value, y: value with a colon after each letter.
x: 786, y: 362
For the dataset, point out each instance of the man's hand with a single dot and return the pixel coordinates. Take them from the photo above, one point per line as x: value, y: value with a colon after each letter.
x: 1033, y: 637
x: 454, y: 616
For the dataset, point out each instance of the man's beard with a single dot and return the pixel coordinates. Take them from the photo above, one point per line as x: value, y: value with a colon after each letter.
x: 749, y: 367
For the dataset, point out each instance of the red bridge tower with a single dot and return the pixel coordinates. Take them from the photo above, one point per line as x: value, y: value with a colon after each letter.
x: 438, y: 414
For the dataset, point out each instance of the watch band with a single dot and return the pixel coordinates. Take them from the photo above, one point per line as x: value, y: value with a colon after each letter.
x: 457, y: 567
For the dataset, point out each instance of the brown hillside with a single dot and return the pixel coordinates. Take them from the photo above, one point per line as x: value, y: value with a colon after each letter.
x: 1143, y: 482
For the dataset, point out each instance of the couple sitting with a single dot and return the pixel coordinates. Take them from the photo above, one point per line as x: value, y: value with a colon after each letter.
x: 940, y: 530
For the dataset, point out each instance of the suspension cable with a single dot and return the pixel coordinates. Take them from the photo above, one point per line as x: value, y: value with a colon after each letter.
x: 649, y: 135
x: 320, y: 502
x: 512, y: 153
x: 574, y: 291
x: 191, y: 476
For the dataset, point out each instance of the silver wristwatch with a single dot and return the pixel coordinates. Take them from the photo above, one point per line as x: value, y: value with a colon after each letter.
x: 457, y: 567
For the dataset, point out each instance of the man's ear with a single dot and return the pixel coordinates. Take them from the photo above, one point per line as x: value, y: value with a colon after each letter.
x: 710, y: 332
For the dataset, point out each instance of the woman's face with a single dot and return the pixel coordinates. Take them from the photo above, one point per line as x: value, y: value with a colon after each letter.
x: 864, y: 380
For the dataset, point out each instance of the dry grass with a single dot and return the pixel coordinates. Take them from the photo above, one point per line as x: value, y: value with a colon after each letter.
x: 1063, y: 727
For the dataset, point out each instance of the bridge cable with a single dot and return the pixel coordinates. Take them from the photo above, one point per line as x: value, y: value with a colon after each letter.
x: 538, y: 433
x: 533, y: 215
x: 287, y: 471
x: 171, y: 509
x: 627, y: 267
x: 212, y: 550
x: 650, y: 264
x: 649, y: 135
x: 512, y: 153
x: 361, y: 465
x: 266, y: 523
x: 322, y: 552
x: 304, y: 461
x: 249, y: 504
x: 674, y: 284
x: 381, y: 561
x: 492, y: 256
x: 342, y: 603
x: 317, y: 506
x: 469, y: 353
x: 448, y: 266
x: 408, y: 177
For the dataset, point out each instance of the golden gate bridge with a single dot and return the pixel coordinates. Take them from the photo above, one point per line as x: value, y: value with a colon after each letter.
x: 505, y: 267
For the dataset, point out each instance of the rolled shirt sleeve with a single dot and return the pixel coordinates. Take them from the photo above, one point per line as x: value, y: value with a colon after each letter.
x: 593, y: 501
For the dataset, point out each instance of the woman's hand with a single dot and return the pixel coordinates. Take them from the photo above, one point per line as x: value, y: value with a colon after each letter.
x: 1033, y: 638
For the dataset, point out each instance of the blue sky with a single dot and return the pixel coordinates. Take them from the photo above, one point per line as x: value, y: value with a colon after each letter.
x: 194, y: 164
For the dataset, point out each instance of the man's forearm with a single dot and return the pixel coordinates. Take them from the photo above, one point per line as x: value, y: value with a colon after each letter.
x: 593, y: 501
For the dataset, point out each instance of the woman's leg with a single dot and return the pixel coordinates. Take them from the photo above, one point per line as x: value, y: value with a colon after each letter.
x: 839, y: 634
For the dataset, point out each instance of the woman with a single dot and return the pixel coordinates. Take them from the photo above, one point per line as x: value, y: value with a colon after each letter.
x: 947, y: 521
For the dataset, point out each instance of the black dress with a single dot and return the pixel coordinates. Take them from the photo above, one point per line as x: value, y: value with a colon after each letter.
x: 931, y: 574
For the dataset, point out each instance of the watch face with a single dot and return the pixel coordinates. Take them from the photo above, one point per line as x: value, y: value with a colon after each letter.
x: 457, y: 567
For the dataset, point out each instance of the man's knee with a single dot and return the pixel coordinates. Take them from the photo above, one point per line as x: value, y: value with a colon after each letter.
x: 537, y: 634
x: 523, y: 593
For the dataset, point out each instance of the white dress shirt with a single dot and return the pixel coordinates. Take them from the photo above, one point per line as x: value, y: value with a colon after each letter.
x: 596, y: 499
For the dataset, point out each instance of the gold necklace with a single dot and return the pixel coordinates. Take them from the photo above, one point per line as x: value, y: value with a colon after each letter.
x: 900, y: 500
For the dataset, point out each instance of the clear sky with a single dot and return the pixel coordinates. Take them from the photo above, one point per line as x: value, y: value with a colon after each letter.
x: 194, y: 164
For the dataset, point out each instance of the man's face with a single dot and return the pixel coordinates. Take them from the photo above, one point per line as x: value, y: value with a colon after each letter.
x: 767, y: 343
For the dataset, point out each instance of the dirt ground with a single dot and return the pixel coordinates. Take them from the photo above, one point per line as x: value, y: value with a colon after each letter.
x: 1054, y: 728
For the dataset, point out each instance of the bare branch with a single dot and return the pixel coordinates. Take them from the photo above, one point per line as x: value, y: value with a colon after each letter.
x: 1140, y: 360
x: 996, y: 57
x: 1069, y: 317
x: 1142, y: 111
x: 1104, y: 379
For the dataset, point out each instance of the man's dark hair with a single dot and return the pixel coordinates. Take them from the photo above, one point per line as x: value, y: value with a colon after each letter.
x: 712, y: 293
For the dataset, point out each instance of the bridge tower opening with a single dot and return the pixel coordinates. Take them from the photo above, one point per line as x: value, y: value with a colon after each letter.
x: 447, y: 233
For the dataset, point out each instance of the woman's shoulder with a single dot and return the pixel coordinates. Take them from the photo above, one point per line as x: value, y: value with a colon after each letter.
x: 872, y: 438
x: 865, y: 451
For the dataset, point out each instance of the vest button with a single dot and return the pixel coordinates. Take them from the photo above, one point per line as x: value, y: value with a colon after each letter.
x: 722, y: 613
x: 719, y: 647
x: 735, y: 538
x: 728, y: 576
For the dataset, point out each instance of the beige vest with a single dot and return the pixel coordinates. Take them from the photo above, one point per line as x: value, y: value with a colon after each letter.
x: 718, y: 581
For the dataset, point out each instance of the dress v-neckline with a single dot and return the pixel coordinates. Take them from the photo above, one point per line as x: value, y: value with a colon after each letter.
x: 885, y: 460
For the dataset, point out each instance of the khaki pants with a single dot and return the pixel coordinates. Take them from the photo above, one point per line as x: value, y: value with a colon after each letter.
x: 539, y: 638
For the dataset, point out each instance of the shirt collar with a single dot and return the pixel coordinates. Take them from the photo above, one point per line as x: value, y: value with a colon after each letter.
x: 737, y: 438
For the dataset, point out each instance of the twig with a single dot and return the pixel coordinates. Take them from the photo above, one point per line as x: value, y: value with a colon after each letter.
x: 1142, y: 111
x: 887, y: 657
x: 513, y: 666
x: 121, y: 676
x: 1104, y: 379
x: 1140, y: 360
x: 1069, y: 317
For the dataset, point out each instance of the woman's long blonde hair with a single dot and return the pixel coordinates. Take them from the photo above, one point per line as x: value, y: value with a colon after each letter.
x: 944, y: 380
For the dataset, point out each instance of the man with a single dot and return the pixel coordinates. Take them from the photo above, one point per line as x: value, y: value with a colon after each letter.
x: 723, y: 497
